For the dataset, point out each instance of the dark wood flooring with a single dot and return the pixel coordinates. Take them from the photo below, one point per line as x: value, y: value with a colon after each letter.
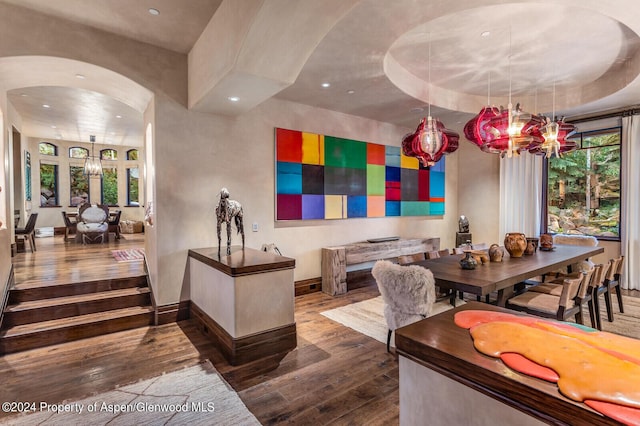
x: 334, y: 376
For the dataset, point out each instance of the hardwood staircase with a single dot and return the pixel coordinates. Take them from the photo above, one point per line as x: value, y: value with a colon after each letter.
x: 40, y: 315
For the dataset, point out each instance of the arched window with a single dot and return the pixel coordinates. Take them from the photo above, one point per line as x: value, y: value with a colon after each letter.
x: 46, y: 148
x: 78, y: 152
x: 132, y: 154
x: 108, y: 154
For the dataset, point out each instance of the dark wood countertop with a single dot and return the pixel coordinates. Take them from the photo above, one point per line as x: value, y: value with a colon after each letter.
x: 242, y: 262
x: 437, y: 343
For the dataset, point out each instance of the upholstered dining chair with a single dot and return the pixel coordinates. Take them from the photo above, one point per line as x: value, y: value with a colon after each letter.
x: 92, y: 226
x: 550, y: 305
x: 572, y: 240
x: 611, y: 281
x: 586, y: 295
x: 410, y: 258
x: 114, y: 223
x: 408, y: 293
x: 28, y: 233
x: 69, y: 225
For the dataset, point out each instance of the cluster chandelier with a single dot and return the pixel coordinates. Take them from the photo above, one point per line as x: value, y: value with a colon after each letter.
x: 92, y: 164
x: 511, y: 131
x: 431, y: 140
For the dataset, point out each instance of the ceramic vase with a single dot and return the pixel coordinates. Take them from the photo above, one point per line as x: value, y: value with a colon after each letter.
x: 468, y: 261
x: 515, y: 243
x: 495, y: 253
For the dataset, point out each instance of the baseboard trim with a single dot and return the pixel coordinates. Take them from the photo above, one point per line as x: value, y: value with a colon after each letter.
x: 267, y: 345
x: 175, y: 312
x: 308, y: 286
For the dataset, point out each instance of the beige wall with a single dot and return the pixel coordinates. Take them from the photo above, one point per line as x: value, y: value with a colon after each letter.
x: 238, y: 153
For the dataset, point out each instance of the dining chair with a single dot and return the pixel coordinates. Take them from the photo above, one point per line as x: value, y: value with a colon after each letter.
x: 585, y: 297
x: 611, y: 281
x: 28, y: 233
x: 114, y: 223
x: 442, y: 294
x: 572, y: 240
x: 547, y: 305
x: 480, y: 246
x: 410, y: 258
x: 69, y: 225
x: 408, y: 292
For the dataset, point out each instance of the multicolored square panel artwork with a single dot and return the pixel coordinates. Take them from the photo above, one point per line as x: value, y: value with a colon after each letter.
x: 325, y: 177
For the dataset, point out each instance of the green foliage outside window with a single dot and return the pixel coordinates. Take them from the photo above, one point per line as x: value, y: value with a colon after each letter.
x: 48, y: 185
x: 79, y: 186
x: 584, y: 187
x: 110, y: 186
x: 46, y: 148
x: 133, y: 178
x: 132, y: 154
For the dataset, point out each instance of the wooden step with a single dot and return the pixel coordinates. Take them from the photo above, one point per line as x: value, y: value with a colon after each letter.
x: 62, y: 307
x: 35, y: 291
x: 45, y: 333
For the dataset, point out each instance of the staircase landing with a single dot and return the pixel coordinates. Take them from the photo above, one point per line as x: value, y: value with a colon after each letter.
x: 68, y: 291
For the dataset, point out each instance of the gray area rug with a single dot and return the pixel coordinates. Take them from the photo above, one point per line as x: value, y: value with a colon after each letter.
x: 367, y: 317
x: 194, y: 396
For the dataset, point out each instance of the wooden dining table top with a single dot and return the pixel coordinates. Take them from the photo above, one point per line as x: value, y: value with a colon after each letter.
x: 496, y: 276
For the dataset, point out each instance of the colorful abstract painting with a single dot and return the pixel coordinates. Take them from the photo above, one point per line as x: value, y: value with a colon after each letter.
x: 325, y: 177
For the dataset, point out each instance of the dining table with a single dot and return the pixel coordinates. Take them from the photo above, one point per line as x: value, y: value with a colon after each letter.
x: 502, y: 277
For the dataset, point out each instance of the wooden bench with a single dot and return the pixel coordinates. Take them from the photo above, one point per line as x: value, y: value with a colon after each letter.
x: 336, y: 259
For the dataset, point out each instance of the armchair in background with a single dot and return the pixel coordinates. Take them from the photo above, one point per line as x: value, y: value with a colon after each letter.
x: 92, y: 226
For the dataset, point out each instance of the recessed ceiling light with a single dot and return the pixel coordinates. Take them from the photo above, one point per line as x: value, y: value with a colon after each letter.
x: 118, y: 116
x: 233, y: 98
x: 54, y: 126
x: 80, y: 76
x: 24, y: 95
x: 351, y: 92
x: 416, y: 110
x: 46, y: 106
x: 326, y: 84
x: 154, y: 12
x: 485, y: 33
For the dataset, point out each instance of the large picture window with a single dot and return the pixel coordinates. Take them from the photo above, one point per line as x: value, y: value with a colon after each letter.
x: 132, y: 186
x: 583, y: 187
x: 48, y: 185
x: 110, y: 186
x: 79, y: 186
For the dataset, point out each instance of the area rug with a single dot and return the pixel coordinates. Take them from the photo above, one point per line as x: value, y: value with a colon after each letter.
x: 128, y: 255
x: 367, y: 317
x: 193, y: 396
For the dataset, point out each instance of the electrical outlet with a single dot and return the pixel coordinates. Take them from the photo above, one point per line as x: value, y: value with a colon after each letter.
x: 254, y: 227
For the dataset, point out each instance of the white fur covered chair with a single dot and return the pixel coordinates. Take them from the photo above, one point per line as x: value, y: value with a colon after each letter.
x: 408, y: 293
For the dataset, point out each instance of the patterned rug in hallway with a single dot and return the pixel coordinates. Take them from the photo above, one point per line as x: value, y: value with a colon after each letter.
x: 367, y: 317
x: 128, y: 255
x: 193, y: 396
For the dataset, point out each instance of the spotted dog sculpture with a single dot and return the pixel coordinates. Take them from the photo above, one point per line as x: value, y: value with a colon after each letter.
x: 228, y: 211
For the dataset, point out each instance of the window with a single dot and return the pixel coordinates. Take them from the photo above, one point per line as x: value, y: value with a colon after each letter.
x: 108, y: 154
x: 132, y: 154
x: 48, y: 185
x: 133, y: 175
x: 79, y: 186
x: 583, y: 187
x: 46, y: 148
x: 109, y: 186
x: 78, y: 152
